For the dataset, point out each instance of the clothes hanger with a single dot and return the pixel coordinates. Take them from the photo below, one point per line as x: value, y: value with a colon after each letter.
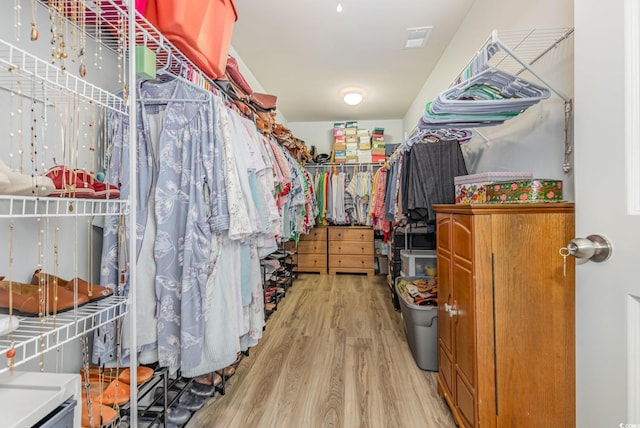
x: 166, y: 74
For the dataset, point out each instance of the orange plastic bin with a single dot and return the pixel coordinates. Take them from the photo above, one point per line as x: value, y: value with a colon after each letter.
x: 201, y: 29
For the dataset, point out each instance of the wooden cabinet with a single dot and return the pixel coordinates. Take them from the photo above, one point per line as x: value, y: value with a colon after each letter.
x: 312, y: 251
x: 351, y: 250
x: 506, y: 327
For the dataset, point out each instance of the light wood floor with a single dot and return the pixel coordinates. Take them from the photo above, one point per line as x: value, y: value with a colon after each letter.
x: 333, y: 355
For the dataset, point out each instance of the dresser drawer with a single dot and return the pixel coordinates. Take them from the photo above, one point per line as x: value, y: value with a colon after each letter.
x: 312, y: 261
x: 316, y: 234
x: 351, y: 234
x: 351, y: 247
x: 350, y: 262
x: 312, y: 247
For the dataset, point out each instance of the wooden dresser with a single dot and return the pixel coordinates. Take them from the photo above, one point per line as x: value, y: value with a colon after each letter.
x: 351, y: 250
x: 312, y: 251
x: 506, y: 327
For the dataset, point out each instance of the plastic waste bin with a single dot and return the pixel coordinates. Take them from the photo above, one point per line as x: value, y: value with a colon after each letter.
x: 421, y: 327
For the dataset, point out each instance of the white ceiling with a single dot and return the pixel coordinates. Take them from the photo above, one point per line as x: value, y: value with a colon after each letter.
x: 307, y: 54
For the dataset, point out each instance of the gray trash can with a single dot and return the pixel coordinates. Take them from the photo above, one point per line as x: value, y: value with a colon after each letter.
x: 421, y: 327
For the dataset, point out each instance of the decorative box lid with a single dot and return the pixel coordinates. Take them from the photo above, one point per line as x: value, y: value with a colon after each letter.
x: 488, y: 177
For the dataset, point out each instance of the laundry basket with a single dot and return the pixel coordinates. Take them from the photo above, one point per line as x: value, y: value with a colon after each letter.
x: 201, y: 29
x: 421, y: 327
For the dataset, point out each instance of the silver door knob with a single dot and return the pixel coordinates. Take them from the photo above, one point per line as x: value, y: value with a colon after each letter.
x: 596, y: 248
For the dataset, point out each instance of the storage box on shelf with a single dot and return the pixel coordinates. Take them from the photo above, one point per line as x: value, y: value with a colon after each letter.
x: 351, y: 250
x: 406, y: 238
x: 418, y: 262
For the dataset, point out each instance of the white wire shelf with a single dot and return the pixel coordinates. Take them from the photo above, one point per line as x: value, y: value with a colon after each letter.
x: 24, y: 74
x: 509, y: 50
x: 34, y: 336
x: 39, y: 207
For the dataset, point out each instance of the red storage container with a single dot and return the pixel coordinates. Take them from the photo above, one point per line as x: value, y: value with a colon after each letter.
x: 201, y: 29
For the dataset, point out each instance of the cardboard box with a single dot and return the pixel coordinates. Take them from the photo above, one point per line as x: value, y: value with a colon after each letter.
x: 351, y: 124
x: 352, y: 146
x: 351, y: 139
x: 378, y: 158
x: 338, y: 132
x: 340, y: 146
x: 363, y: 133
x: 338, y: 139
x: 351, y: 131
x: 364, y: 146
x: 380, y: 152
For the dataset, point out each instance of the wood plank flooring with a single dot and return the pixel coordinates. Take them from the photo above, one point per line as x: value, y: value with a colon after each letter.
x: 334, y: 354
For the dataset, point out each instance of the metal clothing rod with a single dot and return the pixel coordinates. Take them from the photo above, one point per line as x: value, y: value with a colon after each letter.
x: 344, y: 164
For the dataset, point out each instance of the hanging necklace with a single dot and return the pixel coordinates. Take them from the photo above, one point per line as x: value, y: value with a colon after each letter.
x: 11, y: 352
x: 17, y: 22
x: 34, y: 28
x: 82, y: 70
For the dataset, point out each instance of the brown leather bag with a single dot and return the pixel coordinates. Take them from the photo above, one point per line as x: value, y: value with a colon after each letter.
x: 264, y: 101
x: 233, y: 72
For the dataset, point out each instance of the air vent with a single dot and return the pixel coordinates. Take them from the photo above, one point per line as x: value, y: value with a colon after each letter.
x: 417, y: 37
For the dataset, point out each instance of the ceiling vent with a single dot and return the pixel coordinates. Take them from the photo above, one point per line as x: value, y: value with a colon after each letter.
x: 417, y: 37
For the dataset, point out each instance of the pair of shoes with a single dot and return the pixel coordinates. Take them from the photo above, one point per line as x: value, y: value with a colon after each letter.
x: 187, y: 400
x: 79, y: 184
x: 100, y: 415
x: 91, y: 291
x: 34, y: 300
x: 108, y: 374
x: 15, y: 183
x: 227, y: 372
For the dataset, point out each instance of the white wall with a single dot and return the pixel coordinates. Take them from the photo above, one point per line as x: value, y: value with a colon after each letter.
x: 320, y: 134
x: 533, y: 141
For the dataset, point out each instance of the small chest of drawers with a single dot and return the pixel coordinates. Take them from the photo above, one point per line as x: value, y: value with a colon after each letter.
x: 351, y: 249
x: 312, y: 251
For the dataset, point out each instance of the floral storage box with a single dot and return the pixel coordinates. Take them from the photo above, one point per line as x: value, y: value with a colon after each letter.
x: 472, y: 189
x: 538, y: 190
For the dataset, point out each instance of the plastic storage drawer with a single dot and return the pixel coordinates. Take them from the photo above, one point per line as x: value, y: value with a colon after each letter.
x: 61, y: 417
x: 421, y: 327
x: 418, y: 262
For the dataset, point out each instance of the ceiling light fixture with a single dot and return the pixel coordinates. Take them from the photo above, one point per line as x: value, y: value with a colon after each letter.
x: 339, y: 7
x: 353, y: 98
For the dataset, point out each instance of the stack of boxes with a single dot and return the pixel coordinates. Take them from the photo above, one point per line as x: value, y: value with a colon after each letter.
x: 364, y: 146
x: 353, y: 145
x: 352, y: 141
x: 378, y: 153
x: 339, y: 142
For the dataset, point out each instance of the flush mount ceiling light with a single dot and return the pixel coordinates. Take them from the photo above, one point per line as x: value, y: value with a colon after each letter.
x: 353, y: 98
x: 339, y: 7
x: 417, y: 37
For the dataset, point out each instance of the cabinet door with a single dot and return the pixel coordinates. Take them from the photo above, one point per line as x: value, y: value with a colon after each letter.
x: 445, y: 339
x: 463, y: 295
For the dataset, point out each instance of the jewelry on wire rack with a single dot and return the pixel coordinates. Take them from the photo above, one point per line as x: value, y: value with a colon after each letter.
x: 34, y: 27
x: 17, y: 20
x: 11, y: 352
x: 97, y: 55
x: 12, y: 115
x: 82, y: 69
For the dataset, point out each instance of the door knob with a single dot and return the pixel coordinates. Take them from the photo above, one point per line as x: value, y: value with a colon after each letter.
x: 596, y: 248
